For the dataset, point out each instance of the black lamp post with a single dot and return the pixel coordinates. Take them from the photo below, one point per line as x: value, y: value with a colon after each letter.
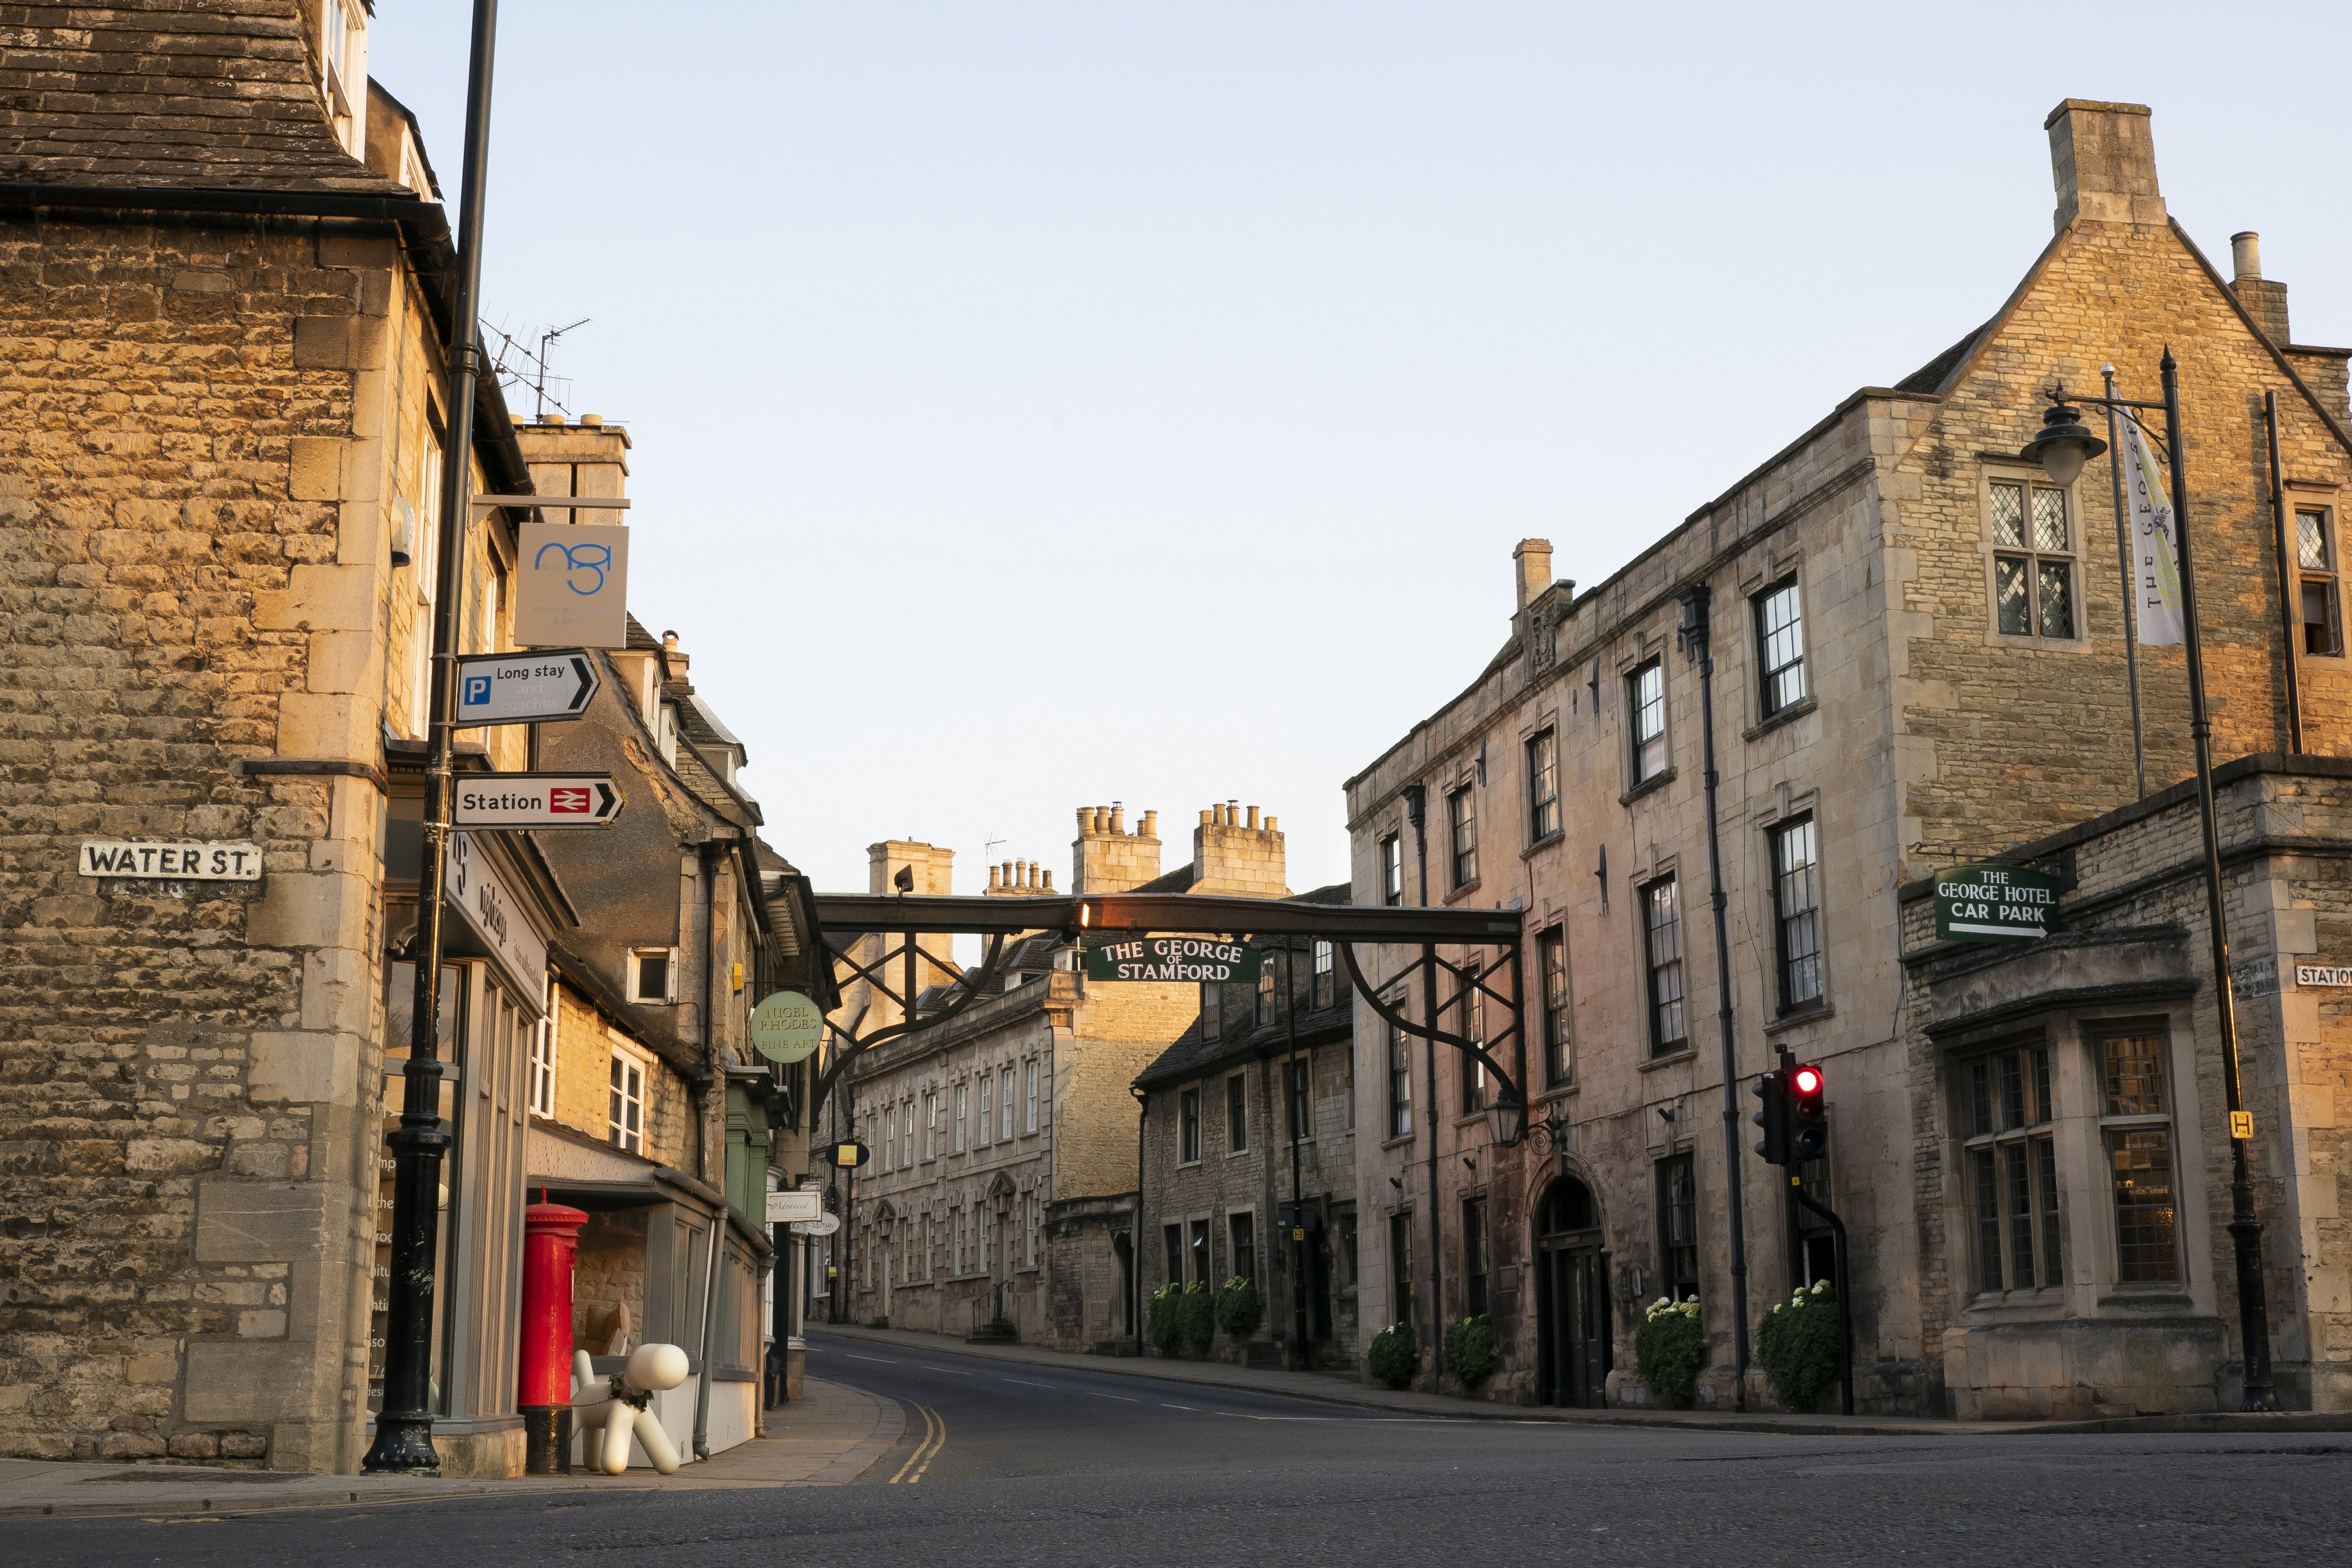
x: 2062, y: 448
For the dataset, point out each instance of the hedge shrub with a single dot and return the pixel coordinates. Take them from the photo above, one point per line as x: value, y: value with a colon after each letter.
x: 1195, y: 1314
x: 1797, y: 1345
x: 1669, y: 1348
x: 1470, y: 1351
x: 1239, y: 1311
x: 1390, y: 1358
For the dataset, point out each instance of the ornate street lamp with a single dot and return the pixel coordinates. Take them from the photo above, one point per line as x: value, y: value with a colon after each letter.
x: 2061, y: 449
x: 1507, y: 1124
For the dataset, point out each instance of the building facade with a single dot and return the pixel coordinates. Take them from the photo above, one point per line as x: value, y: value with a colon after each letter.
x: 1917, y: 645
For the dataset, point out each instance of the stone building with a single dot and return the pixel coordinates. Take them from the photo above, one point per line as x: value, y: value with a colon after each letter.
x: 1919, y: 648
x: 1000, y: 1193
x: 1249, y: 1152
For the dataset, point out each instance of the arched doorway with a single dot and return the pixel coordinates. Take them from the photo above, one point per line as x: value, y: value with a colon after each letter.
x: 1572, y: 1334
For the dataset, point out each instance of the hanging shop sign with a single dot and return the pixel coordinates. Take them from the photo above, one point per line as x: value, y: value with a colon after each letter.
x: 543, y: 687
x: 1201, y: 958
x: 800, y: 1204
x: 848, y: 1156
x: 786, y: 1027
x: 823, y: 1225
x: 496, y: 919
x: 181, y: 861
x: 1995, y: 904
x: 571, y: 585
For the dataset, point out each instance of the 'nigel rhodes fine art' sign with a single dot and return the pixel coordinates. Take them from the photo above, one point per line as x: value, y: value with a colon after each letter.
x: 1995, y: 904
x: 1202, y: 958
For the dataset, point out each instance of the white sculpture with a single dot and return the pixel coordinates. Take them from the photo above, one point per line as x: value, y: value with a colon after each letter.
x: 622, y: 1405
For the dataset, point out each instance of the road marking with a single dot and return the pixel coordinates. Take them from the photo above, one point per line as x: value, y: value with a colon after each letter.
x: 950, y: 1371
x: 1025, y: 1383
x: 937, y: 1444
x: 883, y: 1359
x: 1120, y: 1397
x: 1164, y: 1406
x: 930, y: 1425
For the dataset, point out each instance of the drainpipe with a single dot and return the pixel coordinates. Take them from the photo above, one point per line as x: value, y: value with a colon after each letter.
x: 708, y: 852
x: 1416, y: 812
x: 1135, y: 1250
x: 1695, y: 645
x: 1299, y: 1260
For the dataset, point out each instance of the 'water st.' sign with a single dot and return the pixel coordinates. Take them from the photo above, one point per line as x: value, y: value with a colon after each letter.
x: 1995, y: 904
x: 1201, y: 958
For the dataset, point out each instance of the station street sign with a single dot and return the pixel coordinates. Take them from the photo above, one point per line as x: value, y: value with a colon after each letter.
x: 537, y: 800
x: 1188, y: 959
x: 786, y: 1027
x: 1995, y: 904
x: 539, y: 687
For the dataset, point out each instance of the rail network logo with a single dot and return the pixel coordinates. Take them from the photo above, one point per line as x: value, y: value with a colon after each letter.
x: 571, y: 801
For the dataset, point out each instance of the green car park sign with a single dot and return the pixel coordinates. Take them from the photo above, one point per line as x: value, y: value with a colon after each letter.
x: 1185, y: 958
x: 1995, y: 904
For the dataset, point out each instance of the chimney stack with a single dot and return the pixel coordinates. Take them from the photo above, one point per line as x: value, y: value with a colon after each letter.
x: 2103, y: 159
x: 2265, y: 301
x: 1107, y: 858
x: 1232, y: 854
x: 1531, y: 571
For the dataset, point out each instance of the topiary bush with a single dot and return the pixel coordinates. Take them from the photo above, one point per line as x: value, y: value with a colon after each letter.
x: 1390, y: 1358
x: 1162, y: 1326
x: 1239, y: 1311
x: 1669, y: 1348
x: 1797, y: 1344
x: 1195, y: 1313
x: 1470, y: 1350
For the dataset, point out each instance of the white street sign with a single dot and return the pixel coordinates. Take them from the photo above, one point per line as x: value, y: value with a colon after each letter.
x: 806, y: 1203
x: 537, y: 800
x: 525, y: 688
x: 211, y: 861
x: 823, y: 1225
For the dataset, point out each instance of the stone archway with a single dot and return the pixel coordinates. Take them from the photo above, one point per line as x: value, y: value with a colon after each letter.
x: 1573, y: 1333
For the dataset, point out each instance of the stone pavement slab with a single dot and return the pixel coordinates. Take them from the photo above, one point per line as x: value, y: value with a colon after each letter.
x: 827, y: 1438
x: 1342, y: 1388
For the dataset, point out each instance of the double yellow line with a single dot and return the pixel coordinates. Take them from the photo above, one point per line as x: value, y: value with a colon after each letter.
x: 935, y: 1437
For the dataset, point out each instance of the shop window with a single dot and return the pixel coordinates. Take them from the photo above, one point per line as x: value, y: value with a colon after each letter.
x: 2013, y: 1170
x: 2136, y: 1129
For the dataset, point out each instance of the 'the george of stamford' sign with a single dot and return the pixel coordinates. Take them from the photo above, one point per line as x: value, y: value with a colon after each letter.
x: 176, y: 863
x: 1201, y: 958
x: 1995, y: 904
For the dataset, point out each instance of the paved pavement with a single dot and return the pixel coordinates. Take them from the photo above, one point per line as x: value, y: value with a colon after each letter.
x: 1075, y: 1462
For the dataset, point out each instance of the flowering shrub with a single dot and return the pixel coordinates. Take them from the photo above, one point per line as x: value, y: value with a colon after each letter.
x: 1797, y: 1345
x: 1470, y: 1350
x: 1162, y: 1326
x: 1238, y: 1308
x: 1669, y: 1348
x: 1195, y: 1314
x: 1390, y: 1358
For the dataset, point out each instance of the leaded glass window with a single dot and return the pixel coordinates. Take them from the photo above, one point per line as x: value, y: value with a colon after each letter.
x: 2136, y: 1129
x: 2034, y: 565
x: 2011, y: 1182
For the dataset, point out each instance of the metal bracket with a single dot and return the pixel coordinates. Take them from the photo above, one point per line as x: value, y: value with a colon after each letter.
x: 1390, y: 1015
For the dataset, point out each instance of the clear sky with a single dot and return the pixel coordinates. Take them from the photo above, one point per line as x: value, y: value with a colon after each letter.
x: 1045, y: 405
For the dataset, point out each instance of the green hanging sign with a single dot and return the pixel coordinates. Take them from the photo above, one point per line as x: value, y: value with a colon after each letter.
x: 1995, y: 904
x: 786, y: 1027
x: 1186, y: 958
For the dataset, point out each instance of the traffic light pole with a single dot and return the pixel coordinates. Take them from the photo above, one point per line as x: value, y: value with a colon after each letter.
x: 1844, y: 1300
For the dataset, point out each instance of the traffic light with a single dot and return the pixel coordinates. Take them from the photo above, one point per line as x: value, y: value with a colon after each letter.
x: 1809, y: 1111
x: 1773, y: 1090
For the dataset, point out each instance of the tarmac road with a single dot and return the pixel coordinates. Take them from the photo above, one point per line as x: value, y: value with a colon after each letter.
x: 1007, y: 1463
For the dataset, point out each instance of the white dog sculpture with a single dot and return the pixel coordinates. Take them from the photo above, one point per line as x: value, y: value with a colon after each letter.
x: 622, y: 1405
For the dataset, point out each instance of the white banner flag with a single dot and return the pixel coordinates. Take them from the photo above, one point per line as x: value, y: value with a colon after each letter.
x: 2159, y: 578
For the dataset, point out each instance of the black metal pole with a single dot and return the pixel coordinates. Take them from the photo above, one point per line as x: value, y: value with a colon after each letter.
x: 2130, y: 582
x: 1417, y: 813
x: 2245, y: 1230
x: 1698, y: 643
x: 1298, y: 1243
x: 2286, y: 578
x: 404, y: 1426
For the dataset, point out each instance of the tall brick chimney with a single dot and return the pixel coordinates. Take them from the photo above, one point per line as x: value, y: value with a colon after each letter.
x: 2265, y: 301
x: 2104, y: 160
x: 1233, y: 856
x: 1106, y: 858
x: 1530, y: 572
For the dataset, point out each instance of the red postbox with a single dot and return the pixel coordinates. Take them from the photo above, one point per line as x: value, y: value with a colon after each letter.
x: 550, y: 1241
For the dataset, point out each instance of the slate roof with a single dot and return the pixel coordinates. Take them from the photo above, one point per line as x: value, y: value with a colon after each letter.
x: 204, y: 94
x: 1931, y: 376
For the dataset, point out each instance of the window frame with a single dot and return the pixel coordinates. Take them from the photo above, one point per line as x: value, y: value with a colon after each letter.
x: 668, y: 988
x: 1399, y: 1070
x: 2009, y: 1191
x: 1773, y: 700
x: 2032, y: 556
x: 1662, y: 1043
x: 1560, y: 1032
x: 2325, y: 575
x: 1392, y: 851
x: 2114, y: 1124
x: 1542, y: 752
x: 1323, y: 975
x: 1188, y: 1125
x: 1237, y: 1114
x: 1675, y: 1200
x: 1638, y: 711
x: 1791, y: 928
x: 1461, y: 837
x: 625, y: 1064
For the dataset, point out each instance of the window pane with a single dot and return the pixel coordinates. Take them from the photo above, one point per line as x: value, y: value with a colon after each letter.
x: 2135, y: 1075
x: 2321, y: 625
x: 2311, y: 539
x: 1979, y: 1099
x: 1798, y: 899
x: 2008, y: 513
x: 1462, y: 812
x: 1784, y: 649
x: 1665, y: 937
x: 1988, y: 1198
x: 1543, y: 785
x: 1552, y: 948
x: 2057, y: 606
x: 2143, y: 1174
x: 2053, y: 1258
x: 2049, y: 518
x: 2042, y: 1111
x: 2020, y: 1203
x: 2013, y: 1090
x: 1649, y: 721
x: 2013, y: 614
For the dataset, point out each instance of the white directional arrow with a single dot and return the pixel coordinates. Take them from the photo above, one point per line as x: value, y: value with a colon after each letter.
x: 536, y: 800
x: 541, y: 687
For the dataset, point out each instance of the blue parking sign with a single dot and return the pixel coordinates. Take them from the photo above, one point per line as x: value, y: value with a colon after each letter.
x: 478, y: 691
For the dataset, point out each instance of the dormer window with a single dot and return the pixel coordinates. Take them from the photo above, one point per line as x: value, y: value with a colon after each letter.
x: 342, y: 69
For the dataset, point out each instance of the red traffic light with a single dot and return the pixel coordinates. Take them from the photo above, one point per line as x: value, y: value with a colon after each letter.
x: 1807, y: 1081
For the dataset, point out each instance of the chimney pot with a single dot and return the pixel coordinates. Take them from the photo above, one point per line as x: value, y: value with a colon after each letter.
x: 1151, y: 829
x: 1252, y: 818
x: 1118, y: 818
x: 1269, y: 823
x: 1049, y: 879
x: 1530, y: 570
x: 2246, y: 254
x: 1206, y: 817
x: 593, y: 420
x: 1084, y: 816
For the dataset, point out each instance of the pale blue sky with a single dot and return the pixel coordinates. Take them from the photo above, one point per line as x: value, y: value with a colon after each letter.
x: 1040, y: 404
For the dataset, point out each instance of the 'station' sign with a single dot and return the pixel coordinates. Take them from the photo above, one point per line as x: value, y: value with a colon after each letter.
x: 524, y: 688
x: 536, y: 800
x: 1201, y: 958
x: 208, y: 862
x: 786, y: 1027
x: 2322, y: 975
x: 1995, y: 904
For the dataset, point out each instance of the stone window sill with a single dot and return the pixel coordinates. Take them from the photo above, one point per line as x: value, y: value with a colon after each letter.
x: 1397, y: 1143
x: 1687, y: 1053
x: 1655, y: 781
x: 1812, y: 1012
x: 1465, y: 891
x: 1789, y: 714
x: 1550, y: 840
